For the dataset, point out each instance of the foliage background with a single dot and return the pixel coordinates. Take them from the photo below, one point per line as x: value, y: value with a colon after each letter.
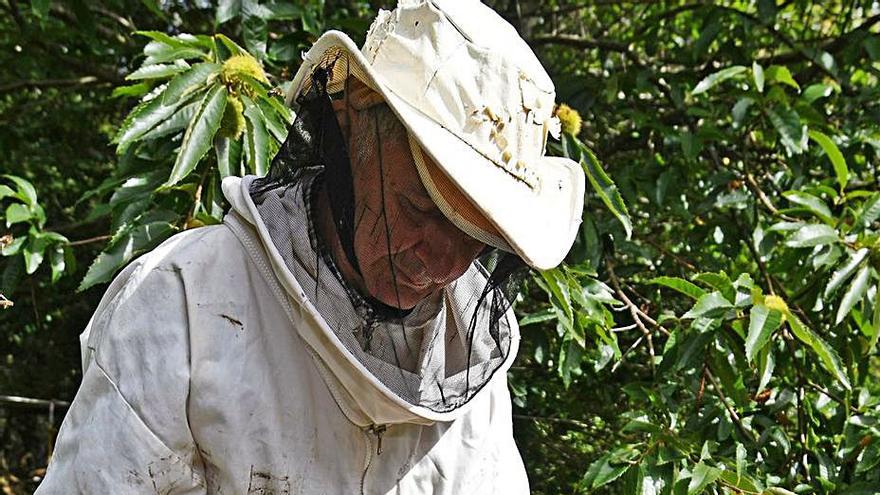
x: 715, y: 326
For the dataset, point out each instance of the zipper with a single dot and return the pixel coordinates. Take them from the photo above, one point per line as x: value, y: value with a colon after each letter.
x: 378, y: 431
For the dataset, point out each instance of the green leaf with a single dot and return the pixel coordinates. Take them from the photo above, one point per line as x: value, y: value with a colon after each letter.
x: 143, y: 118
x: 854, y: 294
x: 834, y: 154
x: 158, y: 52
x: 813, y: 235
x: 256, y: 138
x: 702, y: 477
x: 679, y: 284
x: 538, y: 317
x: 812, y: 203
x: 228, y: 153
x: 17, y: 212
x: 25, y: 190
x: 713, y: 79
x: 227, y: 9
x: 188, y: 81
x: 199, y: 135
x: 710, y: 305
x: 126, y: 245
x: 763, y: 321
x: 741, y: 453
x: 868, y: 213
x: 780, y: 74
x: 57, y: 262
x: 158, y: 71
x: 40, y: 8
x: 758, y: 75
x: 6, y: 192
x: 827, y: 357
x: 132, y: 90
x: 33, y: 254
x: 604, y: 187
x: 816, y: 91
x: 13, y: 247
x: 176, y: 122
x: 792, y: 133
x: 766, y: 366
x: 842, y: 274
x: 602, y: 472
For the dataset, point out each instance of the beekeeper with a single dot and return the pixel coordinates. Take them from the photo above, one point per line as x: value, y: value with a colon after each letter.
x: 347, y: 329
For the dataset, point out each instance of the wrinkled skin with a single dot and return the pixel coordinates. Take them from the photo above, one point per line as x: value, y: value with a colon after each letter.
x: 427, y: 251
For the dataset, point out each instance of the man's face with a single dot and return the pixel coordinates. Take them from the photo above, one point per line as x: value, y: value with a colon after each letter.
x: 413, y: 249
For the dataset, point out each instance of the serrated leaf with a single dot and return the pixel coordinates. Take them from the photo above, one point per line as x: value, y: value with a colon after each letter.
x: 854, y: 294
x: 142, y: 119
x: 781, y: 74
x: 132, y: 90
x: 176, y: 122
x: 604, y: 187
x: 538, y: 317
x: 868, y: 213
x: 763, y: 321
x: 834, y: 154
x: 256, y: 138
x: 792, y: 133
x: 812, y: 235
x: 842, y: 274
x: 199, y: 135
x: 710, y: 305
x: 722, y: 75
x: 188, y: 81
x: 226, y: 162
x: 827, y: 356
x: 126, y: 245
x: 679, y: 284
x: 157, y: 71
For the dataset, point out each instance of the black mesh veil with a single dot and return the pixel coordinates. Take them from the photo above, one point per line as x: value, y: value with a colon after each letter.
x: 440, y: 352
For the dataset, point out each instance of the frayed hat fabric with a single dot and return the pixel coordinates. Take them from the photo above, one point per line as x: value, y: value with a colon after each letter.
x: 480, y: 105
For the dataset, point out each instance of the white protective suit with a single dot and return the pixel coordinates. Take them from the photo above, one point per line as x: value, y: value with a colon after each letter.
x: 207, y: 369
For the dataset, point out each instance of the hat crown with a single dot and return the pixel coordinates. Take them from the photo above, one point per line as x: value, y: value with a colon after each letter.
x: 466, y: 68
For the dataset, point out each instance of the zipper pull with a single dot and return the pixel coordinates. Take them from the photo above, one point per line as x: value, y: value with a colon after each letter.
x: 378, y: 430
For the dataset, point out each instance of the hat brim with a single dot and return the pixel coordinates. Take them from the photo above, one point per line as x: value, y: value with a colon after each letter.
x: 539, y: 223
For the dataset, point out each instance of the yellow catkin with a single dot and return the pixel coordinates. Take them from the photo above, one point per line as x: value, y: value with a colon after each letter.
x: 241, y: 65
x: 232, y: 124
x: 777, y: 303
x: 569, y: 118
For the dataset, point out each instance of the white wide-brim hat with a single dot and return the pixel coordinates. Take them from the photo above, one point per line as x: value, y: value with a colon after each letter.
x: 475, y: 98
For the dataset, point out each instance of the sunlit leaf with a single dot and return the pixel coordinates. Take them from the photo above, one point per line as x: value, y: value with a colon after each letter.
x: 681, y: 285
x: 834, y: 154
x: 712, y: 80
x: 200, y: 134
x: 763, y: 321
x: 854, y: 293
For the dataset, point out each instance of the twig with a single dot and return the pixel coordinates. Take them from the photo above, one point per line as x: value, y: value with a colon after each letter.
x: 48, y: 83
x: 90, y: 240
x: 565, y: 421
x: 830, y: 395
x: 733, y: 415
